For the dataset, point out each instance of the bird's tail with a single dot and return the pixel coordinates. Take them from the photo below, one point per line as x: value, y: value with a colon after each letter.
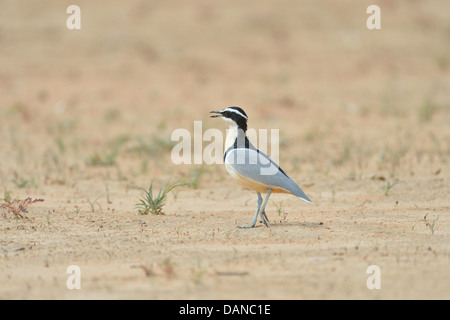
x: 296, y: 191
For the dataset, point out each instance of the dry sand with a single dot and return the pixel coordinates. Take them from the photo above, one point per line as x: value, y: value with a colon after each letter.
x: 86, y: 118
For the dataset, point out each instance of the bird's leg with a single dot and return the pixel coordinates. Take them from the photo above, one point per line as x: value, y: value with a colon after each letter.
x: 256, y: 213
x: 262, y: 211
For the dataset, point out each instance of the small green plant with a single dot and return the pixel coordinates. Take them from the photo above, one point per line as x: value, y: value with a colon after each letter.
x: 153, y: 146
x: 77, y: 210
x: 389, y: 186
x: 426, y: 110
x: 428, y: 224
x: 92, y: 204
x: 7, y: 196
x: 149, y: 204
x: 168, y: 267
x: 197, y: 172
x: 280, y: 210
x: 279, y: 207
x: 108, y: 199
x: 21, y: 182
x: 111, y: 114
x: 108, y: 159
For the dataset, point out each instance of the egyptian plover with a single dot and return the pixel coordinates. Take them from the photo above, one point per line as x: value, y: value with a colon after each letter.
x: 251, y: 167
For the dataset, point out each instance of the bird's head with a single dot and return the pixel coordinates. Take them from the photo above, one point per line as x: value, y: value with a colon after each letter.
x: 234, y: 115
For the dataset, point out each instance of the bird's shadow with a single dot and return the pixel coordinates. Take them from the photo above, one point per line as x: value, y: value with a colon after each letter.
x: 310, y: 225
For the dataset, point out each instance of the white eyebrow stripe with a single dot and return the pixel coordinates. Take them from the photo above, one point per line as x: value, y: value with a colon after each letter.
x: 235, y: 111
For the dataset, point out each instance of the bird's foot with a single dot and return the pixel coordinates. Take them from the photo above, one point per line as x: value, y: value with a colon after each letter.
x: 264, y: 218
x: 246, y: 227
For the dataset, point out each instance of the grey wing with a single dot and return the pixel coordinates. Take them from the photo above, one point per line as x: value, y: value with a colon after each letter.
x: 259, y: 167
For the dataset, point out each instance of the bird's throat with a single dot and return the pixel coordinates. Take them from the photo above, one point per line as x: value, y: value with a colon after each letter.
x: 235, y: 137
x: 232, y: 134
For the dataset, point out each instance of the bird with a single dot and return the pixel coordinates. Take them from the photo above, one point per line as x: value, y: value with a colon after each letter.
x: 251, y: 167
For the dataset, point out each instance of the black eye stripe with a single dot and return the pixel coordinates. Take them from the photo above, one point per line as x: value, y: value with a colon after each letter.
x: 232, y: 115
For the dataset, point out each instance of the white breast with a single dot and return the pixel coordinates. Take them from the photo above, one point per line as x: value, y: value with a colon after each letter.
x: 232, y: 133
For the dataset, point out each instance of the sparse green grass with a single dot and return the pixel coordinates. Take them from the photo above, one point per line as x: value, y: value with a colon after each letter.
x: 21, y: 182
x: 196, y: 172
x: 426, y: 110
x: 92, y: 204
x: 150, y: 204
x: 7, y: 196
x: 391, y: 158
x: 77, y: 210
x: 153, y: 147
x: 428, y: 224
x: 108, y: 159
x: 442, y: 62
x: 280, y: 210
x: 168, y: 267
x: 279, y: 207
x: 389, y: 186
x: 345, y: 155
x: 198, y: 273
x: 312, y: 134
x: 108, y: 199
x: 112, y: 114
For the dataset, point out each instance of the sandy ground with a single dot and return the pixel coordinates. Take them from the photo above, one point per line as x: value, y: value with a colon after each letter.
x: 86, y: 118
